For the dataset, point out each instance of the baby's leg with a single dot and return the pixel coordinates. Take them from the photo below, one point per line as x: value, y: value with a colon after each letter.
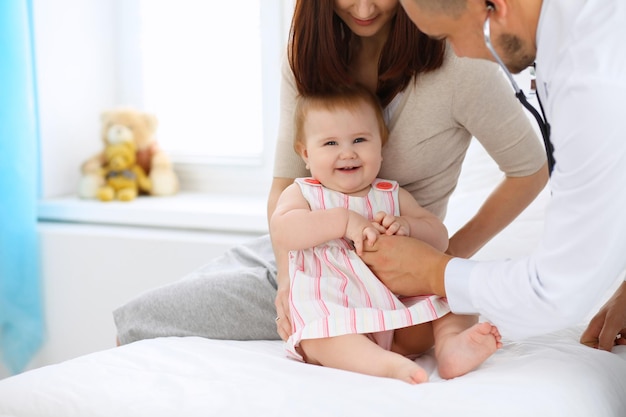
x: 357, y: 353
x: 413, y: 340
x: 461, y: 347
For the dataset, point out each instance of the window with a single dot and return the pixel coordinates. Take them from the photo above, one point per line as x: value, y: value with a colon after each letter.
x: 210, y: 72
x: 202, y: 85
x: 91, y: 56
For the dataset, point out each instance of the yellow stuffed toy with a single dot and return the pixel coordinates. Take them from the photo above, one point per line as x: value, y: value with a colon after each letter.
x: 123, y: 177
x: 127, y: 124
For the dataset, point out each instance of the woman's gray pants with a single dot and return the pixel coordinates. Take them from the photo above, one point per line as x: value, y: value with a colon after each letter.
x: 231, y: 297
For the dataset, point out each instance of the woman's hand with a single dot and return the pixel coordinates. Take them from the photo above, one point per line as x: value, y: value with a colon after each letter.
x: 407, y: 266
x: 608, y: 328
x: 283, y: 324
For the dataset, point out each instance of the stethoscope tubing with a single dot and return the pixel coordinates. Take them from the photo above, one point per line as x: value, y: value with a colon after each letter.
x: 544, y: 126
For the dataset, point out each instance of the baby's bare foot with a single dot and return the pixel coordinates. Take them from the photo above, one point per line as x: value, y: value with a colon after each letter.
x: 410, y: 372
x: 464, y: 352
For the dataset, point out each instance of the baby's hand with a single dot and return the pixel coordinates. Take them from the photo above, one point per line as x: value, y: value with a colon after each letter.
x: 360, y: 230
x: 370, y: 234
x: 389, y: 224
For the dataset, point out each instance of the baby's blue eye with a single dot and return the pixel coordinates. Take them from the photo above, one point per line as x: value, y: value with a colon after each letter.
x: 359, y: 140
x: 330, y: 143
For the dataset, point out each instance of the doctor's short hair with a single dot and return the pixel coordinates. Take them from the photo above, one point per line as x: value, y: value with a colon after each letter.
x: 345, y: 98
x: 454, y: 8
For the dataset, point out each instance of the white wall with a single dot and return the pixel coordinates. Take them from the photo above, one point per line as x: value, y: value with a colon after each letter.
x: 90, y: 270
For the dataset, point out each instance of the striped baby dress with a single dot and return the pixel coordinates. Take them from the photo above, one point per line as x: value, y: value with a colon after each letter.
x: 334, y: 293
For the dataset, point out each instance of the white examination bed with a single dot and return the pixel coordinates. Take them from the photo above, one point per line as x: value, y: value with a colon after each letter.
x: 551, y: 375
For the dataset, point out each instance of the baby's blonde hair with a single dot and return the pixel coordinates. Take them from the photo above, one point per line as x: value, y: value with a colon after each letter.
x: 348, y: 98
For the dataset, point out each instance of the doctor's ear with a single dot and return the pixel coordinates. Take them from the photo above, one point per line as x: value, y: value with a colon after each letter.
x: 490, y: 6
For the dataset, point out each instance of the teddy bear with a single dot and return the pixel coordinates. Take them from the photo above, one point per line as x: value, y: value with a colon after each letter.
x: 123, y: 177
x: 128, y: 124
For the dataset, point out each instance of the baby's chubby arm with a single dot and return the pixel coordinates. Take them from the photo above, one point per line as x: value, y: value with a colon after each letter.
x: 295, y: 226
x: 414, y: 221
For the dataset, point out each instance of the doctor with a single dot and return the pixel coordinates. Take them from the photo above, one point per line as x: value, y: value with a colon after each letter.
x: 580, y: 55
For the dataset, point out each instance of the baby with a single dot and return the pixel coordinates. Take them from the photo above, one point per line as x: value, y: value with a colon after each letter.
x: 342, y: 316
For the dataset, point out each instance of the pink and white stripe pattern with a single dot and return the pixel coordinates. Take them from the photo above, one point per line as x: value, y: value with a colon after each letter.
x: 334, y: 293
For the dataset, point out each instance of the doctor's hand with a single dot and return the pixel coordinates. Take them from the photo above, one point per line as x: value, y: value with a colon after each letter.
x: 608, y: 328
x: 407, y: 266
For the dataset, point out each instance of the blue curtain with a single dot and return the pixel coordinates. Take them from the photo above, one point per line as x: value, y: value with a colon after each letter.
x: 21, y: 323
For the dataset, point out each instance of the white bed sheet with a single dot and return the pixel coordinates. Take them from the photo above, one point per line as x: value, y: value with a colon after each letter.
x: 552, y: 375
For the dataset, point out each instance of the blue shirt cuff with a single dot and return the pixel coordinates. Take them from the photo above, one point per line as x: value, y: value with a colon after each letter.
x: 457, y: 283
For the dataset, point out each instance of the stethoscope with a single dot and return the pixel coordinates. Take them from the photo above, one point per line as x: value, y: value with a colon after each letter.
x: 544, y: 126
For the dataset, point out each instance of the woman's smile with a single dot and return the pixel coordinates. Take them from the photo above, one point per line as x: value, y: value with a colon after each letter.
x: 361, y: 22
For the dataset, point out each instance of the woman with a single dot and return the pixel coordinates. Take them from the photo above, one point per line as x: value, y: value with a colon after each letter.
x: 434, y: 104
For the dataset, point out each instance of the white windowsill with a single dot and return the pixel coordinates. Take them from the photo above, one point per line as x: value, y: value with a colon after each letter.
x: 186, y: 210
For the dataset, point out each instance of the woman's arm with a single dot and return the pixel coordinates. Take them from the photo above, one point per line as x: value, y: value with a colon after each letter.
x: 502, y: 206
x: 512, y: 142
x: 287, y: 166
x: 283, y: 323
